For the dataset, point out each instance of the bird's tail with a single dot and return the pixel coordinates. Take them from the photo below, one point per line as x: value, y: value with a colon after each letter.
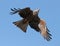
x: 22, y: 24
x: 44, y: 30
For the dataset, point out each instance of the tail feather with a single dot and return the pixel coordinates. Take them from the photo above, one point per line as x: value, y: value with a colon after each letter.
x: 44, y: 30
x: 21, y: 24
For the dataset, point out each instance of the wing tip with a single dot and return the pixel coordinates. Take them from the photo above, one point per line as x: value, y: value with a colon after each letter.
x: 48, y: 37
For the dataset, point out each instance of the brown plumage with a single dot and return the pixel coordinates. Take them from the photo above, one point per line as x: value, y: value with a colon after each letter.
x: 30, y: 17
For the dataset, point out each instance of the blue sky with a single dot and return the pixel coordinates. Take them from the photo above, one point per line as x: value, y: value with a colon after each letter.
x: 10, y: 35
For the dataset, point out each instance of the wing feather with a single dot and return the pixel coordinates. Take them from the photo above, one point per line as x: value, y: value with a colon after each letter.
x: 44, y: 30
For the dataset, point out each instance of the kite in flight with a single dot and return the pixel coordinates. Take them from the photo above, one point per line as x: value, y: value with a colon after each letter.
x: 30, y: 17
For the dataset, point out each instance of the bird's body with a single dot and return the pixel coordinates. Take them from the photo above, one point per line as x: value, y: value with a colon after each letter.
x: 34, y: 23
x: 30, y: 17
x: 25, y: 12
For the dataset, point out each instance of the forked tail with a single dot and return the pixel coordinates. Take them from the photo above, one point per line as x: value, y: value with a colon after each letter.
x: 22, y: 24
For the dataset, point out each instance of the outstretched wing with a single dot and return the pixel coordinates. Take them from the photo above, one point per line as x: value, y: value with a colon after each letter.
x: 22, y: 24
x: 44, y: 30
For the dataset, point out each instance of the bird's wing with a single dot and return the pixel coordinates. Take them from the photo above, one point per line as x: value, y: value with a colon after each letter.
x: 21, y: 24
x: 26, y: 9
x: 14, y: 10
x: 44, y: 30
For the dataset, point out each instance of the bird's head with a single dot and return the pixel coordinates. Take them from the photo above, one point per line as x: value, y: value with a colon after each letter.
x: 36, y: 11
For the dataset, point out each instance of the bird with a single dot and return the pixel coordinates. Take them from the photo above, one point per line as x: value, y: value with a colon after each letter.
x: 31, y: 18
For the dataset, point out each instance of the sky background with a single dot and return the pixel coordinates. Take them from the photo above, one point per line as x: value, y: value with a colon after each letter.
x: 10, y: 35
